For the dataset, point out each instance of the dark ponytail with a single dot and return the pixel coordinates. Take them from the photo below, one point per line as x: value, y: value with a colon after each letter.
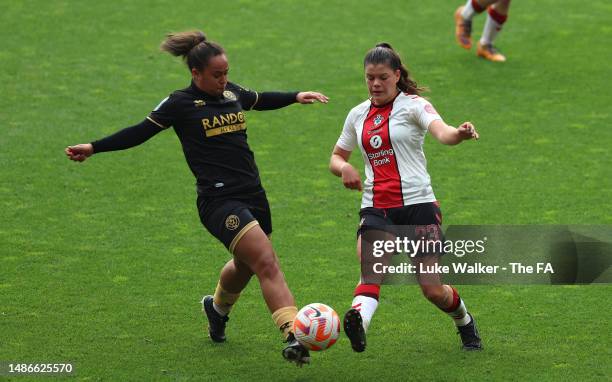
x: 383, y: 53
x: 194, y: 48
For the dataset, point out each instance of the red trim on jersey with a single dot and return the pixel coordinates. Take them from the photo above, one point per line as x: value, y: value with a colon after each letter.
x: 498, y: 17
x: 376, y: 142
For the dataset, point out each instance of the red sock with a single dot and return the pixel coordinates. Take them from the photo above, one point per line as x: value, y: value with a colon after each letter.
x: 477, y: 7
x: 498, y: 17
x: 457, y: 310
x: 456, y: 302
x: 368, y: 290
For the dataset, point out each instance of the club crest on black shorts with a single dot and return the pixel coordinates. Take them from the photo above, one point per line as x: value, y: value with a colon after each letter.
x: 232, y: 222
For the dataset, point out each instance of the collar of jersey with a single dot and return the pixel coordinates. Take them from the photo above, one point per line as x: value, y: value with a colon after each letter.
x: 385, y: 104
x: 202, y: 93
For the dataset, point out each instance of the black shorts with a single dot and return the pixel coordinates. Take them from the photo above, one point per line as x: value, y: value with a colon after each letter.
x: 229, y: 218
x: 417, y: 221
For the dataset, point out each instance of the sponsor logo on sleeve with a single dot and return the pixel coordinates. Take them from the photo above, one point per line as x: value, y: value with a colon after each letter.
x: 430, y: 109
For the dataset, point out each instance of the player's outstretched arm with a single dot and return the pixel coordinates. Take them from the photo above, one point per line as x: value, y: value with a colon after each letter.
x: 339, y: 166
x: 311, y: 97
x: 449, y: 135
x: 277, y: 100
x: 121, y: 140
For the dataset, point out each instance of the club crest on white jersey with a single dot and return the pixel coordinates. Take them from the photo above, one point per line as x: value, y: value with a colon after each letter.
x: 378, y: 119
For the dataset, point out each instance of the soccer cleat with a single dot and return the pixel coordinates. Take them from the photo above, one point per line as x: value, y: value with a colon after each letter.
x: 353, y: 327
x: 216, y: 322
x: 469, y: 335
x: 489, y: 52
x: 295, y: 352
x: 463, y: 29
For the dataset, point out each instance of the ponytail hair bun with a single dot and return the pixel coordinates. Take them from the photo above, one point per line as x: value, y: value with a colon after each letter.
x: 181, y: 43
x: 193, y: 46
x: 384, y: 45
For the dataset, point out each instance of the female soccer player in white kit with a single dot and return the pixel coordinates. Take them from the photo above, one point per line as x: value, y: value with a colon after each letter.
x: 390, y: 129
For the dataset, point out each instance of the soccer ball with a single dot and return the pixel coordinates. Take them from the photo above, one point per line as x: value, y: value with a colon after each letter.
x: 316, y: 326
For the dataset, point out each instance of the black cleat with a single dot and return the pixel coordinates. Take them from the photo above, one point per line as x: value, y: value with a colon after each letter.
x: 353, y: 327
x: 216, y: 322
x: 296, y: 352
x: 469, y: 336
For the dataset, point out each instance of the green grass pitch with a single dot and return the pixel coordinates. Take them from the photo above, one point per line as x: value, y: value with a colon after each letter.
x: 103, y: 263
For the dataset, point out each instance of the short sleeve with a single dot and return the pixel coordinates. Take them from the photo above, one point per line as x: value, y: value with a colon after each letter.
x: 247, y: 98
x: 164, y: 115
x: 348, y: 138
x: 425, y: 113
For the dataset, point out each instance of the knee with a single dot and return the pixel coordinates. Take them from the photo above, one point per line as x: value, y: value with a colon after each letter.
x: 242, y: 268
x: 502, y: 4
x: 434, y: 293
x: 266, y: 266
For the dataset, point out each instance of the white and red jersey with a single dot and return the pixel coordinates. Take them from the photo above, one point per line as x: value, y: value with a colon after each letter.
x: 391, y: 141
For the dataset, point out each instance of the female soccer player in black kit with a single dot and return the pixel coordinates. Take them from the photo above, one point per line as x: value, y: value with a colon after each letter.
x: 208, y: 117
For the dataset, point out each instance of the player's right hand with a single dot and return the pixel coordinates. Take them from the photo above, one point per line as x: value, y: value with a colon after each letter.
x: 80, y: 152
x: 467, y: 131
x: 350, y: 177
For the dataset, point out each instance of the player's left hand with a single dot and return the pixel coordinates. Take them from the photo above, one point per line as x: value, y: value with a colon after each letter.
x: 311, y: 97
x: 467, y: 131
x: 80, y: 152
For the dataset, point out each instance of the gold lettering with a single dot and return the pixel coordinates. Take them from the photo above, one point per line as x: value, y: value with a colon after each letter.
x: 241, y: 116
x: 225, y: 129
x: 233, y: 118
x: 216, y: 121
x: 206, y: 123
x: 225, y: 119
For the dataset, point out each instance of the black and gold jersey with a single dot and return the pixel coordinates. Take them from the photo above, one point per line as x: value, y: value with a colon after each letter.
x: 213, y: 133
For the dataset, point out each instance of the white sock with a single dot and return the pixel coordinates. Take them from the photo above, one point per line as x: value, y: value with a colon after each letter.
x: 468, y: 11
x: 366, y: 306
x: 460, y: 315
x: 220, y: 310
x: 491, y: 29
